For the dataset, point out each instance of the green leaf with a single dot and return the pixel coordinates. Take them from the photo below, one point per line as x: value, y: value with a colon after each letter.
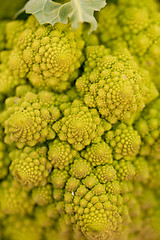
x: 79, y: 11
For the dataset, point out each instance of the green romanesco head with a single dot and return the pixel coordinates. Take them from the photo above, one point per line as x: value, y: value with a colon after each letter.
x: 114, y: 84
x: 135, y: 25
x: 80, y: 125
x: 48, y: 56
x: 30, y: 166
x: 98, y: 153
x: 13, y: 29
x: 29, y: 119
x: 124, y: 141
x: 93, y: 194
x: 141, y: 169
x: 148, y: 127
x: 124, y: 170
x: 61, y: 154
x: 42, y: 195
x: 8, y: 82
x: 14, y: 199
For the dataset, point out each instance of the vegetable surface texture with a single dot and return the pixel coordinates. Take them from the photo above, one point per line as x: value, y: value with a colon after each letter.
x: 80, y: 120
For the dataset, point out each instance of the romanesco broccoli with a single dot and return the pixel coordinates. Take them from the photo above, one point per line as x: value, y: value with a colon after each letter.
x: 80, y: 122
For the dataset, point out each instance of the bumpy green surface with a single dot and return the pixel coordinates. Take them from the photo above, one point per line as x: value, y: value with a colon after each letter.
x: 30, y: 119
x: 30, y: 166
x: 114, y: 84
x: 8, y: 81
x: 124, y: 140
x: 135, y: 25
x: 84, y: 163
x: 148, y: 126
x: 80, y: 126
x: 13, y: 29
x: 14, y: 199
x: 48, y: 56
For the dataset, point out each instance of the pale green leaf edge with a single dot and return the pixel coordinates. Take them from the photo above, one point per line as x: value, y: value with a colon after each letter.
x: 78, y: 11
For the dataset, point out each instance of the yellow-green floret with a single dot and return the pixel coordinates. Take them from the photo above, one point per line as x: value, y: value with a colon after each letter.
x: 148, y: 127
x: 98, y: 153
x: 114, y: 84
x: 29, y: 119
x: 13, y: 29
x: 8, y: 82
x: 46, y: 215
x: 80, y: 168
x: 14, y: 199
x: 48, y: 56
x: 93, y: 193
x: 154, y: 174
x: 20, y: 228
x: 80, y: 125
x: 58, y: 178
x: 141, y: 169
x: 105, y: 173
x: 42, y: 195
x: 124, y: 170
x: 135, y: 25
x: 61, y: 154
x: 91, y: 209
x: 30, y: 166
x: 124, y: 141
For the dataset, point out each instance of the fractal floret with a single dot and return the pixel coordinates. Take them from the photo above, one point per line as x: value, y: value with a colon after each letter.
x: 29, y: 120
x: 80, y: 121
x: 30, y: 166
x: 114, y: 84
x: 80, y: 125
x: 135, y: 25
x: 148, y: 127
x: 8, y: 81
x: 49, y: 57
